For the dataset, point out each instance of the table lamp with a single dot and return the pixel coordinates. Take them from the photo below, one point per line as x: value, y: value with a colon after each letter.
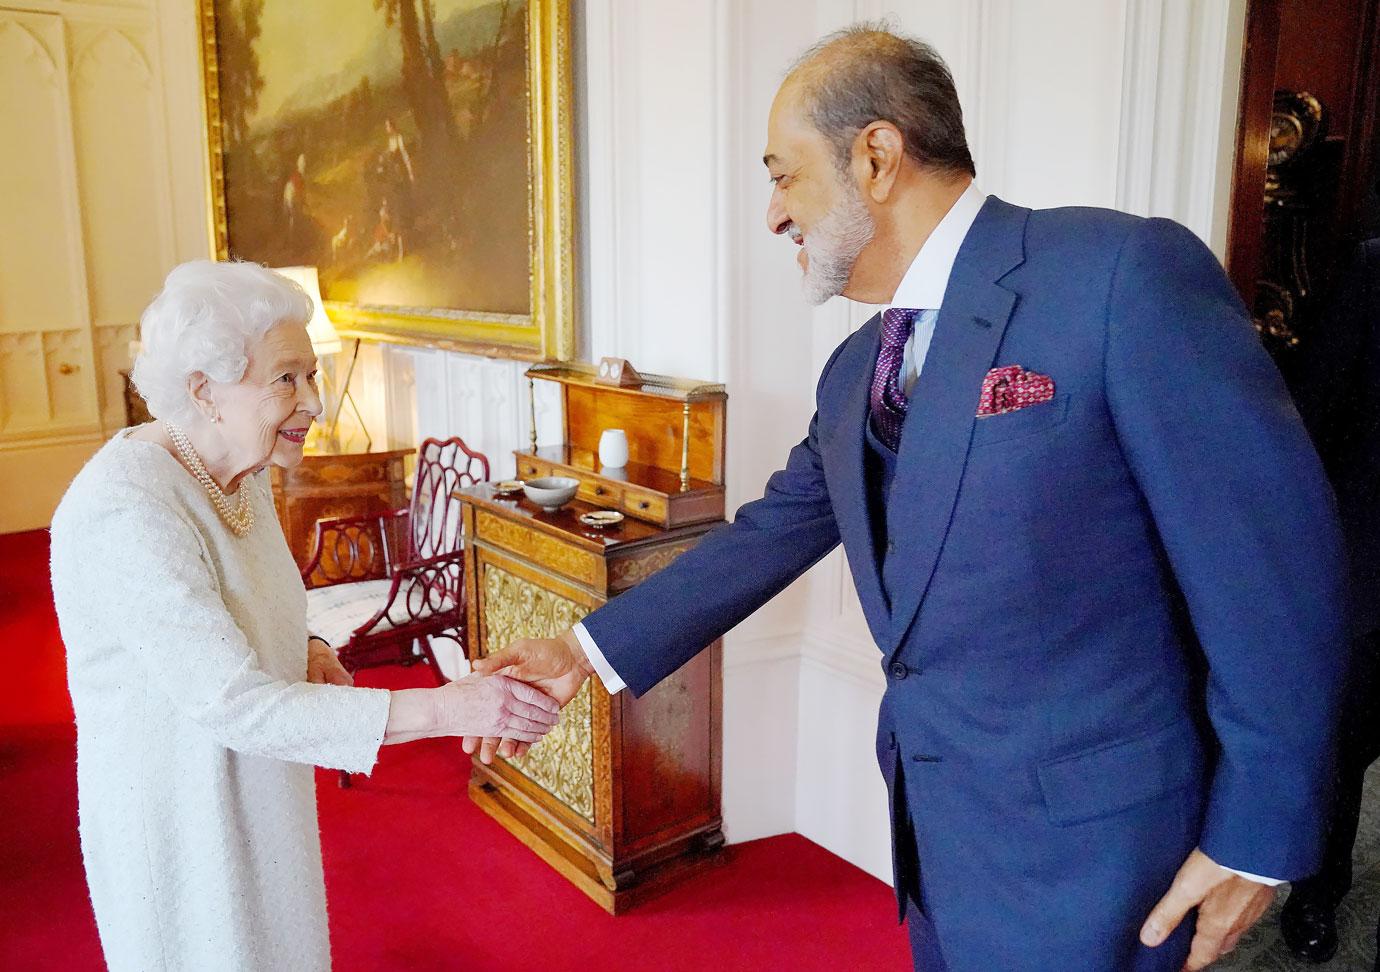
x: 324, y: 341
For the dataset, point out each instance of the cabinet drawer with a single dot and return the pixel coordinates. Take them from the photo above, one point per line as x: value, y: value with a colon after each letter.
x: 532, y: 468
x: 601, y: 494
x: 645, y: 506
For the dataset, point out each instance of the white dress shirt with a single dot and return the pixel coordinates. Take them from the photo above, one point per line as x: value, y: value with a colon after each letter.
x: 922, y: 288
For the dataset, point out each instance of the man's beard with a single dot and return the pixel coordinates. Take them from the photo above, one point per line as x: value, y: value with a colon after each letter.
x: 832, y: 247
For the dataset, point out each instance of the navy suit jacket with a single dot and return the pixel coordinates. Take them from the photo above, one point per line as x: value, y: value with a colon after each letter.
x: 1110, y: 623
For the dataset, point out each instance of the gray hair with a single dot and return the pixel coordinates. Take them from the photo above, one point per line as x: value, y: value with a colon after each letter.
x: 867, y: 73
x: 205, y: 319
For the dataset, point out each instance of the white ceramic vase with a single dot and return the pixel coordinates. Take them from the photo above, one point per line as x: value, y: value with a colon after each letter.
x: 613, y: 448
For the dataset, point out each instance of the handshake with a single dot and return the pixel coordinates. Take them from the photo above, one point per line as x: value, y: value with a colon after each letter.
x: 514, y: 697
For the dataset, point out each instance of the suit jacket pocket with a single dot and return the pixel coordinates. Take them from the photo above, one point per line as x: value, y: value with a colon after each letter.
x: 1021, y: 422
x: 1119, y: 775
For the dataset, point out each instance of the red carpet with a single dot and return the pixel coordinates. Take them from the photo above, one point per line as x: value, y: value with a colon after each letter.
x: 417, y: 878
x: 33, y: 690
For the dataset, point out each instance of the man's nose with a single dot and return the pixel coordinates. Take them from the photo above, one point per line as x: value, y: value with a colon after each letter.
x: 777, y: 220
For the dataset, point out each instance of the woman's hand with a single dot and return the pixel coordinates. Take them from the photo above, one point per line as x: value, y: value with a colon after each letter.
x: 495, y: 706
x: 323, y: 667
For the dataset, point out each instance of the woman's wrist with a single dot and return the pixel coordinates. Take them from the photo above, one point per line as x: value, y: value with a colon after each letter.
x: 411, y: 715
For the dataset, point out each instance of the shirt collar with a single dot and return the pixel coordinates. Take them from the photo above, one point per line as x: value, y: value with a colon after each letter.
x: 924, y: 284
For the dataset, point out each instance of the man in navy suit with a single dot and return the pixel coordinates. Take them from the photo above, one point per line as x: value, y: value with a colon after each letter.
x: 1088, y: 532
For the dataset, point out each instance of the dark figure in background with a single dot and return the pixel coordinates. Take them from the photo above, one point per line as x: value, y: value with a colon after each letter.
x: 1339, y: 397
x: 395, y: 180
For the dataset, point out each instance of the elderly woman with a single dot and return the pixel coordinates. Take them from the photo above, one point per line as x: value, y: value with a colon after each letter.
x: 201, y: 706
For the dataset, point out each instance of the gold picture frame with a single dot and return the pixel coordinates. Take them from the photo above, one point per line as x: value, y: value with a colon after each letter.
x: 547, y: 331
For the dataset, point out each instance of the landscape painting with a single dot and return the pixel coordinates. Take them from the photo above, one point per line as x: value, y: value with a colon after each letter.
x: 390, y: 143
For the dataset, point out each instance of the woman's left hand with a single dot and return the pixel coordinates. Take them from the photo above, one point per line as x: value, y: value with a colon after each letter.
x: 323, y: 667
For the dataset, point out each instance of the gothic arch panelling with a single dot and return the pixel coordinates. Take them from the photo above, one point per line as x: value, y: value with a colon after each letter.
x: 120, y: 154
x: 39, y: 231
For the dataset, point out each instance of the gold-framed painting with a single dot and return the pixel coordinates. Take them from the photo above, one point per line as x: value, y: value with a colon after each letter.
x: 417, y: 152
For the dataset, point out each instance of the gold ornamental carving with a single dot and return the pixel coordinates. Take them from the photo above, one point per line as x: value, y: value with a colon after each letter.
x: 574, y: 563
x: 563, y: 762
x: 632, y: 571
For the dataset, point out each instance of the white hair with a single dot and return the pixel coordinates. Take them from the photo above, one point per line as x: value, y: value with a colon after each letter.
x: 833, y: 246
x: 205, y: 319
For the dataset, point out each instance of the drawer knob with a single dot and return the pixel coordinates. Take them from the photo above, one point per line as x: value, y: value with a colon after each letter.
x: 643, y: 504
x: 599, y: 491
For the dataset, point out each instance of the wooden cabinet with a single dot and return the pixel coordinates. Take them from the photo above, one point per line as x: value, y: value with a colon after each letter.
x: 335, y: 484
x: 623, y: 796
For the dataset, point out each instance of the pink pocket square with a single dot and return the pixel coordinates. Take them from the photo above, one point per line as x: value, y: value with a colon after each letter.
x: 1011, y: 387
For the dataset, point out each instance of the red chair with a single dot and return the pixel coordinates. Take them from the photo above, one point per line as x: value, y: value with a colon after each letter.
x: 380, y: 587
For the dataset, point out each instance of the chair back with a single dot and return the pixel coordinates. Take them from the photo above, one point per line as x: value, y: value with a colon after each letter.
x: 443, y: 466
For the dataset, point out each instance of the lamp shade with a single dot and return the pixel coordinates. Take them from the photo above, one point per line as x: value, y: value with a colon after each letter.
x: 324, y: 340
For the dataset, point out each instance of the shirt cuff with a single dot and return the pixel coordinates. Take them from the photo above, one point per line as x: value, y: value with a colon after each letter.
x: 612, y: 683
x: 1268, y: 882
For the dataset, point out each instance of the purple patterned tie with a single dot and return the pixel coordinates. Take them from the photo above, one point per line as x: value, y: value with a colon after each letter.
x: 889, y: 403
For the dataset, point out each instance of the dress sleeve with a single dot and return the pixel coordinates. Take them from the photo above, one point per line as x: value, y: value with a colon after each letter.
x: 162, y: 604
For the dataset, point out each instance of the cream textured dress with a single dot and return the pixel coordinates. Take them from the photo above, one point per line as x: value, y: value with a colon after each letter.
x: 196, y: 728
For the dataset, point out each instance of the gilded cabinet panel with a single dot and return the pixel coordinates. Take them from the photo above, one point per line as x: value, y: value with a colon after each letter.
x: 563, y: 762
x: 581, y: 565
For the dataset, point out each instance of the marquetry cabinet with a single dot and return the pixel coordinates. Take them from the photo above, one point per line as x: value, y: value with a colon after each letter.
x: 329, y: 484
x: 623, y: 796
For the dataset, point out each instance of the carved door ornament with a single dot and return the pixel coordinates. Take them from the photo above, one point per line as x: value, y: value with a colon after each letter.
x: 1298, y: 185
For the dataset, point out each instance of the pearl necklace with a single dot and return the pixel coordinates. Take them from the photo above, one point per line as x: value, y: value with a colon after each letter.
x: 239, y: 516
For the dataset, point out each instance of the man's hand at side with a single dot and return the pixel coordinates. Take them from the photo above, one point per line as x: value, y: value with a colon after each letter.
x: 1228, y: 905
x: 557, y: 666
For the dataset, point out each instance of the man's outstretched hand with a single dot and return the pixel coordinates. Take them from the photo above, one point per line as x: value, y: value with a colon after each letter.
x: 1228, y: 905
x: 557, y: 666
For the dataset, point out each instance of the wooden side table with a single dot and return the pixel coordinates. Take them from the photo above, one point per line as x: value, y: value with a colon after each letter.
x: 623, y: 796
x: 136, y: 412
x: 336, y: 484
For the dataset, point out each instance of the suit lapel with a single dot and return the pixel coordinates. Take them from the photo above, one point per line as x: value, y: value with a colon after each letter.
x: 943, y: 407
x: 844, y: 462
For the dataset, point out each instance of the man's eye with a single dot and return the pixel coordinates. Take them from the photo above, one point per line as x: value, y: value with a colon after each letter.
x: 312, y: 377
x: 287, y: 379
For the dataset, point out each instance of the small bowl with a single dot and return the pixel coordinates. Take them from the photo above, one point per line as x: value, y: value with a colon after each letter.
x: 551, y: 492
x: 505, y: 487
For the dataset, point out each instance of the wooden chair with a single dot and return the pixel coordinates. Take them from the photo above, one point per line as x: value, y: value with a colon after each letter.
x: 380, y: 587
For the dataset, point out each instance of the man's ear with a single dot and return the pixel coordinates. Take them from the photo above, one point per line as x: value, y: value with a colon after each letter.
x: 880, y: 149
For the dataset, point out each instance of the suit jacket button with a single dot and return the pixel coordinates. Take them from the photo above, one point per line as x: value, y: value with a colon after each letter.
x: 899, y: 670
x: 891, y: 546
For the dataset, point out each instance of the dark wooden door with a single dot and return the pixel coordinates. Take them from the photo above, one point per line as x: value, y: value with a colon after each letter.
x: 1304, y: 177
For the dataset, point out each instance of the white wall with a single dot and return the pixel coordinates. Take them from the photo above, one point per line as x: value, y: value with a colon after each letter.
x: 1127, y: 103
x: 103, y: 189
